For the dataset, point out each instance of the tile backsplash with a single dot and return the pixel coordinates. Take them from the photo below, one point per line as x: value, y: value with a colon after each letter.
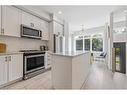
x: 16, y: 44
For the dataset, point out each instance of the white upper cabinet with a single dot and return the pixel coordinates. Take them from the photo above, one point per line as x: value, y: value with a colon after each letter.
x: 15, y: 66
x: 37, y: 23
x: 30, y: 20
x: 12, y: 18
x: 26, y: 19
x: 0, y: 20
x: 58, y: 28
x: 3, y: 70
x: 45, y: 30
x: 11, y: 21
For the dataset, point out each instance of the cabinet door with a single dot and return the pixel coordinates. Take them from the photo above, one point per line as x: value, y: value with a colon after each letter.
x: 3, y: 70
x: 58, y: 28
x: 0, y: 21
x: 48, y: 60
x: 37, y: 22
x: 27, y: 19
x: 11, y: 20
x: 15, y: 66
x: 45, y: 30
x: 30, y: 20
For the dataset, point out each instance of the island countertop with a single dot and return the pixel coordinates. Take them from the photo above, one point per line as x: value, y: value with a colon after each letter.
x: 70, y: 69
x: 70, y: 53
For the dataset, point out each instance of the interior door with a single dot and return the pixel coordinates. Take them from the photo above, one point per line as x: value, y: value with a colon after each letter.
x: 120, y: 57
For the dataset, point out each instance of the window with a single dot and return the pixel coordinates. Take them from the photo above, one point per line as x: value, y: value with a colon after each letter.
x: 97, y: 44
x: 79, y: 44
x: 87, y: 44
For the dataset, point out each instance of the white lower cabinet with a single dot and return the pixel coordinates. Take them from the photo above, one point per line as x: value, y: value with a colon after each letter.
x: 11, y: 68
x: 48, y: 60
x: 3, y: 70
x: 15, y: 67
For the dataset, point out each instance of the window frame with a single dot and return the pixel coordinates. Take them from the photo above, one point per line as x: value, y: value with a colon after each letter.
x: 79, y: 37
x: 89, y: 37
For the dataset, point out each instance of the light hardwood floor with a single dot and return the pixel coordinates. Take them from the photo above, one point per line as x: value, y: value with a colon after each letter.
x: 42, y: 81
x: 99, y: 78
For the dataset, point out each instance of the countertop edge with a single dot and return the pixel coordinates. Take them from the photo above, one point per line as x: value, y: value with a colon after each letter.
x: 16, y: 52
x: 67, y: 55
x: 10, y: 53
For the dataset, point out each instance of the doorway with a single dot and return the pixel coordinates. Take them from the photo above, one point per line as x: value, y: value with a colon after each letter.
x: 120, y: 56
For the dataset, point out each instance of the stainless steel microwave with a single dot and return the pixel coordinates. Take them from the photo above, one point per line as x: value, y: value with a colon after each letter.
x: 30, y: 32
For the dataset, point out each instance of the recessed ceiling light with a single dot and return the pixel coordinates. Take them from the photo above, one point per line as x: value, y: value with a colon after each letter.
x: 59, y: 12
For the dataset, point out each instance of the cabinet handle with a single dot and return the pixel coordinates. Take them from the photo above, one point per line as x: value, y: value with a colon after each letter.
x: 5, y: 59
x: 31, y: 24
x: 9, y: 58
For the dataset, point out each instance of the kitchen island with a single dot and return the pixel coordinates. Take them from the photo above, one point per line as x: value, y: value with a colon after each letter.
x: 70, y: 69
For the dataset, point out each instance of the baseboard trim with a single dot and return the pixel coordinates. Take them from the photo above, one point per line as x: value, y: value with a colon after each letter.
x: 10, y: 83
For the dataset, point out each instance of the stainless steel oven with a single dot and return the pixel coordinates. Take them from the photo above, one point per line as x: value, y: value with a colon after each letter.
x: 34, y: 63
x: 30, y: 32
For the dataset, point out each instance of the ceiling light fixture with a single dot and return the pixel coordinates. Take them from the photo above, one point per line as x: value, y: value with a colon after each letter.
x: 59, y: 12
x: 82, y: 27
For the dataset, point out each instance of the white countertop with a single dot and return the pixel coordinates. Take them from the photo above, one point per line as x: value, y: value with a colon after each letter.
x: 15, y: 52
x: 71, y: 54
x: 10, y: 53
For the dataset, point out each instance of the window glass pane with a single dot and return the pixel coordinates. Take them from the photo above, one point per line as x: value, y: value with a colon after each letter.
x: 97, y: 44
x: 87, y: 44
x: 79, y: 44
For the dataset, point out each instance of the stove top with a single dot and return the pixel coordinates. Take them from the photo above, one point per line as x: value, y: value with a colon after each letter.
x: 29, y: 50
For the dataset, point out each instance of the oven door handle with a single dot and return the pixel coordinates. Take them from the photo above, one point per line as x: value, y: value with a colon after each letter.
x: 30, y: 56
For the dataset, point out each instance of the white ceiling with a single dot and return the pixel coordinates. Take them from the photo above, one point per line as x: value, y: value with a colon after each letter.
x: 89, y: 16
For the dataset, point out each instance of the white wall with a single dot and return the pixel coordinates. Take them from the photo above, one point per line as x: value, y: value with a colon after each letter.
x: 16, y: 44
